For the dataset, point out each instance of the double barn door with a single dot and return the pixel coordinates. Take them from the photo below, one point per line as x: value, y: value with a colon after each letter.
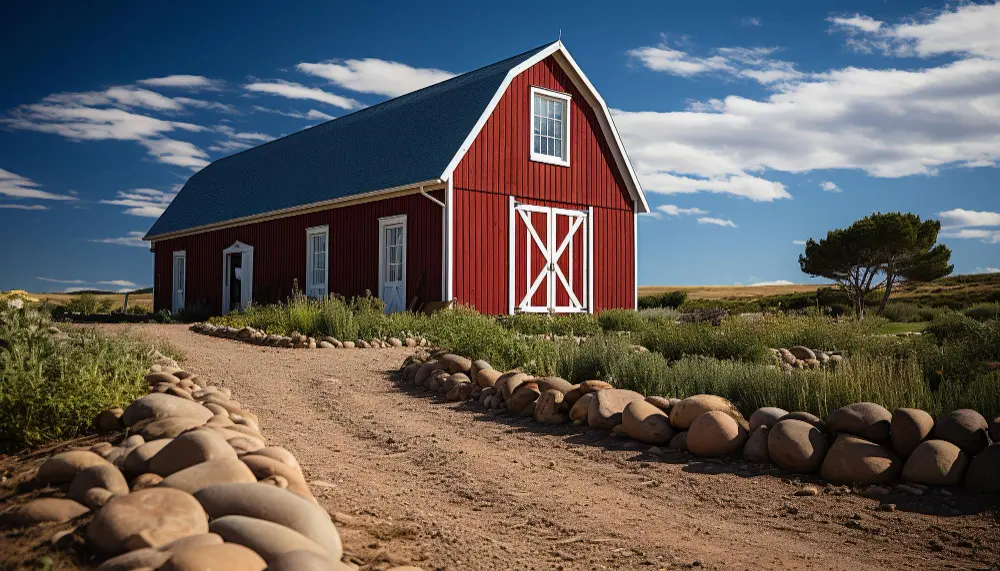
x: 551, y: 261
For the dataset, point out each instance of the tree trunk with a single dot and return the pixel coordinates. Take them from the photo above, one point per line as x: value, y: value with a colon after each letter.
x: 888, y: 290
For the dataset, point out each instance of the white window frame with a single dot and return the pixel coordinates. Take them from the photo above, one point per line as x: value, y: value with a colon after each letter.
x: 310, y: 259
x: 182, y: 255
x: 566, y: 100
x: 399, y: 220
x: 246, y: 282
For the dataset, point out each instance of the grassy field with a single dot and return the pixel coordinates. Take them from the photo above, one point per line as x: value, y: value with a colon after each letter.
x: 731, y: 292
x: 142, y: 299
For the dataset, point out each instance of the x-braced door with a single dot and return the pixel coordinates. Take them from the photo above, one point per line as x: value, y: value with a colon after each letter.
x: 550, y: 259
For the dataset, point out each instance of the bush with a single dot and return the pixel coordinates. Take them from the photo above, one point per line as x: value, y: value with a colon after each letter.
x: 905, y: 312
x: 84, y: 303
x: 671, y: 299
x: 621, y: 320
x: 578, y: 324
x: 983, y: 311
x: 52, y: 390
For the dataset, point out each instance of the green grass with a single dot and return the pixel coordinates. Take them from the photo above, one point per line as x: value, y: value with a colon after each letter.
x: 51, y: 389
x: 899, y: 328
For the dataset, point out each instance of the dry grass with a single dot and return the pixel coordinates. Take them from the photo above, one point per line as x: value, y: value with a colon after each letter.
x: 143, y: 299
x: 731, y: 292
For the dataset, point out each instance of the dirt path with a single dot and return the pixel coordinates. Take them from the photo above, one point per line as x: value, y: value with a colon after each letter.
x: 448, y: 486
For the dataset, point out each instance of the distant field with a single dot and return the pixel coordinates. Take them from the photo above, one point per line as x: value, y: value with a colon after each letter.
x: 731, y: 292
x: 143, y: 299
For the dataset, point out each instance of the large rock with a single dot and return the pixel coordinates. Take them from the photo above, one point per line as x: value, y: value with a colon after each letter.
x: 715, y: 433
x: 806, y: 417
x: 683, y: 414
x: 425, y: 372
x: 273, y: 504
x: 607, y: 406
x: 867, y: 420
x: 136, y: 461
x: 796, y: 445
x: 909, y: 427
x: 170, y: 427
x: 268, y: 539
x: 936, y: 463
x: 63, y: 467
x: 264, y: 467
x: 163, y: 405
x: 983, y: 470
x: 145, y: 558
x: 228, y: 556
x: 859, y: 461
x: 189, y: 449
x: 549, y: 408
x: 109, y: 420
x: 768, y: 415
x: 594, y: 386
x: 509, y: 381
x: 646, y: 423
x: 662, y: 403
x: 581, y: 407
x: 301, y: 560
x: 486, y: 378
x: 802, y: 352
x: 100, y: 476
x: 524, y: 394
x: 147, y: 518
x: 964, y: 428
x: 679, y: 442
x: 278, y: 453
x: 198, y: 476
x: 456, y: 364
x: 755, y: 450
x: 554, y: 383
x: 995, y: 429
x: 43, y: 510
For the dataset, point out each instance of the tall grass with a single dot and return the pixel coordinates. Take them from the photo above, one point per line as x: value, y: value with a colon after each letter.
x: 52, y: 389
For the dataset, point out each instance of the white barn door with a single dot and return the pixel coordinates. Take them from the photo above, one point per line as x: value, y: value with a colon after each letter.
x: 550, y: 259
x: 392, y: 262
x: 179, y: 281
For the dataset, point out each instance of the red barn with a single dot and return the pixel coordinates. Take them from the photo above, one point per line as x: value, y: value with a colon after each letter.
x: 506, y: 188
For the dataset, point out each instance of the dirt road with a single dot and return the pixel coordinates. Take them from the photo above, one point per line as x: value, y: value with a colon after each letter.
x: 448, y: 486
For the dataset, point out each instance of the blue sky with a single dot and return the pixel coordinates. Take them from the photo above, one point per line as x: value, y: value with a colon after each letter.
x: 753, y: 126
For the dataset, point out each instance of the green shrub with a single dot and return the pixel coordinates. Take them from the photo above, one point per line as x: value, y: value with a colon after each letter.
x: 983, y: 311
x: 578, y: 324
x: 466, y: 332
x: 621, y: 320
x: 85, y: 304
x: 671, y: 299
x: 905, y: 312
x: 52, y: 390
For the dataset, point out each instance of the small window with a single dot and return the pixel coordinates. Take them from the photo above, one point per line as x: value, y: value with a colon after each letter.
x: 550, y: 126
x: 317, y: 256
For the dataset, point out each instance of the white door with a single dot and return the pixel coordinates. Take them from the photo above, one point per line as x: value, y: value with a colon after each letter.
x: 392, y: 263
x: 550, y: 259
x: 179, y: 281
x: 317, y: 248
x: 237, y: 276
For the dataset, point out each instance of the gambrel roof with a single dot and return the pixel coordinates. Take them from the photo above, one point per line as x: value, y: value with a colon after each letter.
x: 417, y: 138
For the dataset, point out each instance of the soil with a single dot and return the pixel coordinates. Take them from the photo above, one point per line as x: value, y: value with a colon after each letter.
x: 412, y: 479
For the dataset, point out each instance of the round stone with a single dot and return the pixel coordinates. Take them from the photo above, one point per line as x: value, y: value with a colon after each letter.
x: 936, y: 463
x: 549, y: 408
x: 137, y: 460
x: 301, y: 560
x: 867, y: 420
x: 43, y: 510
x: 525, y: 394
x: 221, y: 471
x: 109, y: 420
x: 646, y: 423
x: 859, y: 461
x: 554, y: 383
x: 100, y: 476
x: 806, y: 417
x: 755, y: 450
x: 662, y: 403
x: 163, y: 405
x: 147, y: 518
x: 264, y: 467
x: 796, y: 445
x: 684, y: 413
x: 148, y: 480
x: 715, y: 433
x: 607, y: 406
x: 909, y: 427
x: 982, y: 473
x: 228, y: 556
x: 580, y: 408
x: 63, y: 467
x: 768, y: 415
x: 189, y: 449
x: 268, y: 539
x: 964, y: 428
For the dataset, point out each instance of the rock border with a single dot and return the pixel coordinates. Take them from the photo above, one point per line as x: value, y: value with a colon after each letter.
x: 300, y: 341
x: 192, y: 484
x: 861, y: 444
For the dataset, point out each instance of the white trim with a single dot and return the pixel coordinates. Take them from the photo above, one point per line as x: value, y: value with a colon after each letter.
x: 310, y: 255
x: 383, y: 223
x: 607, y: 123
x: 568, y: 102
x: 551, y: 275
x: 590, y: 259
x: 449, y: 241
x: 178, y: 254
x: 512, y: 230
x: 635, y: 258
x: 246, y: 280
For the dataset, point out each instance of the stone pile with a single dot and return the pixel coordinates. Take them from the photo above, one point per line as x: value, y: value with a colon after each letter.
x: 862, y: 443
x: 300, y: 341
x: 192, y: 486
x: 802, y: 357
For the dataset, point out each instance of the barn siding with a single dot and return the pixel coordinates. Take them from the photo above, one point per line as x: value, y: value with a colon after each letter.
x: 280, y: 253
x: 498, y: 165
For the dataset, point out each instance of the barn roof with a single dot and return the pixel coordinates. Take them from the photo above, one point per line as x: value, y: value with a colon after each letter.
x: 405, y: 140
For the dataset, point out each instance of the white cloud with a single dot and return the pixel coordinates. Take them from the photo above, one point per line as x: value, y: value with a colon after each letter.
x: 59, y: 281
x: 376, y: 76
x: 298, y: 91
x: 773, y: 283
x: 174, y: 152
x: 674, y: 210
x: 208, y: 105
x: 747, y: 63
x: 716, y: 221
x: 799, y: 242
x: 183, y: 81
x: 968, y: 29
x: 829, y: 186
x: 886, y: 122
x: 237, y: 141
x: 312, y: 114
x: 126, y: 96
x: 986, y: 236
x: 988, y: 270
x: 133, y: 239
x: 751, y: 21
x: 24, y: 206
x: 959, y: 217
x: 119, y: 283
x: 20, y: 187
x: 145, y: 202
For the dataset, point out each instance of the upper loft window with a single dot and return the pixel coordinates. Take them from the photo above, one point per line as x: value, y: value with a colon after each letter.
x: 550, y: 126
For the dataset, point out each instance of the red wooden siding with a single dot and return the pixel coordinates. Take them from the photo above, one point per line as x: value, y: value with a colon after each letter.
x: 279, y: 255
x: 498, y: 165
